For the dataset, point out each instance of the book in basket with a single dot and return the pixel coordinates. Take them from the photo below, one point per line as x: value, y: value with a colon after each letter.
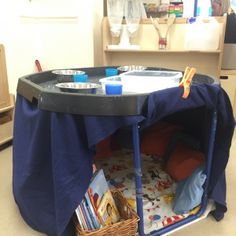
x: 100, y: 197
x: 107, y: 209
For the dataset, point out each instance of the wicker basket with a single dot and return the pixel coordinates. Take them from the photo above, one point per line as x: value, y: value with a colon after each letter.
x: 126, y: 226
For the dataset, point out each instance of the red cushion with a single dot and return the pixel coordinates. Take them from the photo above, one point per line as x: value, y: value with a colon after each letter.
x: 155, y: 139
x: 183, y: 161
x: 103, y: 149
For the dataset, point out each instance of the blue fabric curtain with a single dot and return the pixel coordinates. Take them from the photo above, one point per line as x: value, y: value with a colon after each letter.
x: 52, y: 152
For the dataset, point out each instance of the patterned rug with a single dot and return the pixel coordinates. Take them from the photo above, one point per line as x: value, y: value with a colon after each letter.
x: 158, y: 187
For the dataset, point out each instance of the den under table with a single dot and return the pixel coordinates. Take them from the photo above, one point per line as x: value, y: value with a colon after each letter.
x: 55, y: 134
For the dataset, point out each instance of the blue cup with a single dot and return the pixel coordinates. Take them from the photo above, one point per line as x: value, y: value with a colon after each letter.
x: 80, y: 78
x: 111, y: 72
x: 113, y: 89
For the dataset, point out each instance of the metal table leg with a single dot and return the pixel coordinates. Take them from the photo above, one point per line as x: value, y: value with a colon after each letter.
x: 138, y: 177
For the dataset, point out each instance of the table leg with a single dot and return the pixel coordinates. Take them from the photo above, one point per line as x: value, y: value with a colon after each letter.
x: 138, y: 177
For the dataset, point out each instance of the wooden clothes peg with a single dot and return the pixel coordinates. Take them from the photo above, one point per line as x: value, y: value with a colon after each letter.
x: 186, y: 80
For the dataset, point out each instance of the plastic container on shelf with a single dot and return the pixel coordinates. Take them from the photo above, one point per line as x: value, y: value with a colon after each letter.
x: 204, y: 8
x: 202, y: 34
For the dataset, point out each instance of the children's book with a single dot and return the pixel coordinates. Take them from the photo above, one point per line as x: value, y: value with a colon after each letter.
x: 87, y: 216
x: 91, y: 211
x: 98, y: 187
x: 107, y: 209
x: 80, y: 218
x: 96, y: 191
x: 98, y: 206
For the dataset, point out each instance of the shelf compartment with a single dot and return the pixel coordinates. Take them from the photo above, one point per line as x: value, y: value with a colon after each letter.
x: 175, y: 56
x: 6, y: 132
x: 6, y: 121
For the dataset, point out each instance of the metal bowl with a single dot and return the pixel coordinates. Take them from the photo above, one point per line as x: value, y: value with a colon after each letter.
x: 66, y: 75
x: 68, y: 72
x: 76, y: 87
x: 131, y: 68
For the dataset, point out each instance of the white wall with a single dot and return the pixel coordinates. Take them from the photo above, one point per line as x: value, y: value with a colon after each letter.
x: 59, y: 33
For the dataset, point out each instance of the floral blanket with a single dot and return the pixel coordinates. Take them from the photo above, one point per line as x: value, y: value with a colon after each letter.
x: 158, y: 187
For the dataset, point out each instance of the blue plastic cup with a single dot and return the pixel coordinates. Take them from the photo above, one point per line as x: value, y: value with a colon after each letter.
x: 80, y: 78
x: 113, y: 89
x: 111, y: 72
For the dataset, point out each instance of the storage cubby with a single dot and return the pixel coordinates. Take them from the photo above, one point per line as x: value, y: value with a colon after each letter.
x: 6, y: 121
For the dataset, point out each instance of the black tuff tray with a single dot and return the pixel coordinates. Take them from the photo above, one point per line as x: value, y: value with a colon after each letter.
x: 39, y: 88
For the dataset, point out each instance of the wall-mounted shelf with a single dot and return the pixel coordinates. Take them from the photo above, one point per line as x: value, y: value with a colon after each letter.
x: 175, y: 56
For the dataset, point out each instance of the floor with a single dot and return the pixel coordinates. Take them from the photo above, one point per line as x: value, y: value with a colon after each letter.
x: 11, y: 223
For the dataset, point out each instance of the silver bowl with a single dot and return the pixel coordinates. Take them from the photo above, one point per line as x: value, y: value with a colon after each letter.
x: 68, y: 72
x: 78, y: 87
x: 66, y: 75
x: 131, y: 68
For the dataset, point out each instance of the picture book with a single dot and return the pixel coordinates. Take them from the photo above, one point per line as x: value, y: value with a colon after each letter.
x: 107, y: 209
x: 98, y: 188
x: 98, y: 206
x: 87, y: 216
x: 93, y: 215
x: 80, y: 218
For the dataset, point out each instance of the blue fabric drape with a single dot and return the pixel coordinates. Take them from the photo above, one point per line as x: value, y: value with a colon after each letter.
x: 52, y: 152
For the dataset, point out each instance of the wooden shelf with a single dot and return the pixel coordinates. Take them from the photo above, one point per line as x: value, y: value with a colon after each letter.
x: 162, y: 51
x: 6, y: 132
x: 4, y: 91
x: 7, y: 102
x: 6, y: 121
x: 7, y: 108
x: 177, y: 54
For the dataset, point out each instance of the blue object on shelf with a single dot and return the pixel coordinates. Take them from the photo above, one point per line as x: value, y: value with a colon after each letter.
x: 191, y: 20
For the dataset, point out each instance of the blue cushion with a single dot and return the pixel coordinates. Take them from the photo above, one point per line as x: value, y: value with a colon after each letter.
x: 189, y: 192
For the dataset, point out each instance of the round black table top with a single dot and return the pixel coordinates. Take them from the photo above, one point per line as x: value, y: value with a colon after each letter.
x: 40, y: 88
